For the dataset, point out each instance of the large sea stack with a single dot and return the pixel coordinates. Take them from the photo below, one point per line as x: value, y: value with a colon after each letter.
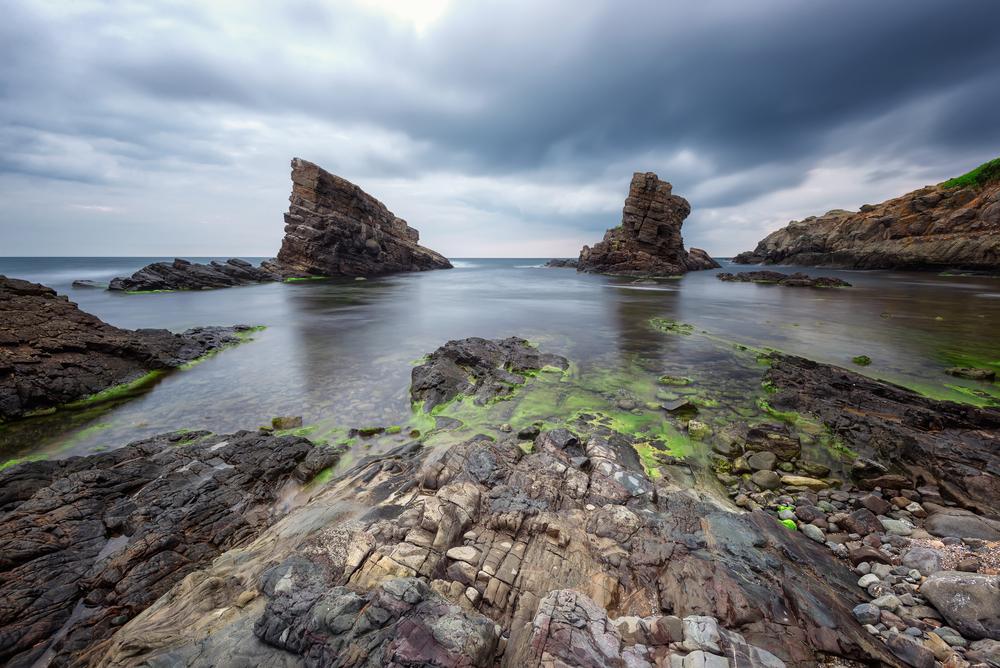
x: 955, y: 224
x: 334, y: 228
x: 648, y: 242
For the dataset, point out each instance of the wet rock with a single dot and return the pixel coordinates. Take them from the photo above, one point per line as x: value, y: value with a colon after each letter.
x: 762, y: 461
x: 286, y: 422
x: 88, y: 284
x: 959, y: 445
x: 957, y: 523
x: 778, y: 278
x: 52, y: 353
x: 131, y: 523
x: 483, y: 369
x: 866, y: 613
x: 972, y: 373
x: 933, y: 227
x: 910, y: 652
x: 648, y: 242
x: 969, y: 602
x: 185, y: 275
x: 562, y: 263
x: 766, y: 479
x: 334, y: 228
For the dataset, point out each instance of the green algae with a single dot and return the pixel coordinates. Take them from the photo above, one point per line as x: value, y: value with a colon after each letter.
x: 394, y: 429
x: 675, y: 381
x: 862, y: 360
x: 20, y: 460
x: 148, y: 292
x: 647, y: 455
x: 789, y: 524
x: 244, y: 336
x: 303, y: 279
x: 671, y: 326
x: 122, y: 391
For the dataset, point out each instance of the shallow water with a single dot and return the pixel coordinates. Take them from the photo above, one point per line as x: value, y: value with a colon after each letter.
x: 339, y: 353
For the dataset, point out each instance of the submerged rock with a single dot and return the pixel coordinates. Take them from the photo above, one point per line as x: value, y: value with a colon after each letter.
x: 334, y: 228
x: 52, y: 353
x: 648, y: 242
x: 798, y: 280
x: 562, y: 263
x: 933, y: 227
x: 88, y: 543
x: 483, y: 369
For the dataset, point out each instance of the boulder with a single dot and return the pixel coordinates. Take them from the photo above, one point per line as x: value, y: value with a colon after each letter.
x: 185, y: 275
x: 648, y: 241
x: 969, y: 602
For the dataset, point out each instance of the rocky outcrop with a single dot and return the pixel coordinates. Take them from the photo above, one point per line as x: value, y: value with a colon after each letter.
x: 52, y: 353
x: 483, y: 369
x: 935, y: 227
x: 798, y: 280
x: 562, y: 263
x: 185, y: 275
x: 955, y: 446
x: 648, y: 242
x: 87, y: 543
x: 334, y: 228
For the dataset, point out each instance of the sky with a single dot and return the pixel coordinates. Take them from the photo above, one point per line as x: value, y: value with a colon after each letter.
x: 497, y: 129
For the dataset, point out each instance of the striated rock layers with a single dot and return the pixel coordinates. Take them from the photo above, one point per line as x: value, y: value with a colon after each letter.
x: 52, y: 353
x: 334, y: 228
x: 87, y: 543
x: 648, y: 242
x: 185, y: 275
x: 935, y: 227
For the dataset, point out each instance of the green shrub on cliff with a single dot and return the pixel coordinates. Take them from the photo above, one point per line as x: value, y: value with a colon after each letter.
x: 980, y: 176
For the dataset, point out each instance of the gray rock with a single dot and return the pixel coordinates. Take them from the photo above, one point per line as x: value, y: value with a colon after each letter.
x: 958, y: 524
x: 866, y: 613
x: 923, y: 559
x: 762, y: 461
x: 766, y: 479
x: 969, y: 602
x: 813, y: 533
x: 910, y: 652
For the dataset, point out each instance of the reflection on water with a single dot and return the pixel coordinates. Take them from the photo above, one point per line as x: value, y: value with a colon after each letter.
x: 340, y: 352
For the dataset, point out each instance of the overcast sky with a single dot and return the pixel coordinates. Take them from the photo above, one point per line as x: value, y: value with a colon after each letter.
x: 496, y: 129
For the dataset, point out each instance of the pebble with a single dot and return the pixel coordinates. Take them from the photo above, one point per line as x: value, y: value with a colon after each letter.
x: 866, y: 580
x: 867, y: 614
x: 887, y: 602
x: 813, y: 532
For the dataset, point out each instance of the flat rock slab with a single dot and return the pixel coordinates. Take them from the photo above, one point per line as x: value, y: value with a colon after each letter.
x: 185, y: 275
x: 798, y: 280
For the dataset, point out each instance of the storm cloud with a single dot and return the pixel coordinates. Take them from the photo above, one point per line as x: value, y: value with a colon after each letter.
x: 495, y: 128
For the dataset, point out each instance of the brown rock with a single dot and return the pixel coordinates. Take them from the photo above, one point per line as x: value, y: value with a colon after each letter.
x: 648, y: 242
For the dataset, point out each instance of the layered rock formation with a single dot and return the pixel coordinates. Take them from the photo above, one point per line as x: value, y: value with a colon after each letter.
x: 185, y: 275
x: 52, y: 353
x: 648, y: 242
x: 89, y: 542
x: 935, y: 227
x: 334, y: 228
x: 797, y: 280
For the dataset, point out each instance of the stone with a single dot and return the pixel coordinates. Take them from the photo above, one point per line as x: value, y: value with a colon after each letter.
x: 935, y: 227
x: 813, y: 533
x: 561, y: 263
x: 131, y: 522
x: 957, y: 524
x: 334, y: 228
x: 866, y: 553
x: 699, y: 430
x: 766, y: 479
x: 480, y: 368
x: 954, y: 443
x: 923, y: 559
x: 762, y: 461
x: 866, y: 581
x: 866, y: 613
x: 972, y: 373
x: 778, y: 278
x: 185, y: 275
x: 887, y: 602
x: 803, y: 481
x: 648, y: 242
x: 910, y: 652
x: 876, y: 504
x: 896, y: 527
x: 969, y: 602
x: 52, y: 353
x: 286, y: 422
x: 701, y: 633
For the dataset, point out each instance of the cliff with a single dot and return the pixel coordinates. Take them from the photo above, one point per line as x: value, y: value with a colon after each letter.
x: 648, y: 242
x: 334, y: 228
x: 955, y: 224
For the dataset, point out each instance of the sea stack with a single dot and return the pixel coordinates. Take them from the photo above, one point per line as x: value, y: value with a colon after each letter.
x: 334, y: 228
x: 955, y: 224
x: 648, y: 242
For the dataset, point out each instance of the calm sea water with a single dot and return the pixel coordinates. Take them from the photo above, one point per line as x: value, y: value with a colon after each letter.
x: 340, y: 352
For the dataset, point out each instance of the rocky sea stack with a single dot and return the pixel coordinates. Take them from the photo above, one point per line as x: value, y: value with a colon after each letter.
x: 648, y: 242
x: 955, y: 224
x: 52, y: 353
x: 334, y: 228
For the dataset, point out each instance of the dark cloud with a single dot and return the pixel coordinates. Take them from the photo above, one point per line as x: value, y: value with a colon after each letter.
x: 568, y: 94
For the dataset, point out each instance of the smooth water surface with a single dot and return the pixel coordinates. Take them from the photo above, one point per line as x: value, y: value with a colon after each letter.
x: 339, y: 352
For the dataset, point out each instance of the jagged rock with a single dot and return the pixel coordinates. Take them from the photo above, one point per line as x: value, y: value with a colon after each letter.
x: 52, y: 353
x: 969, y: 602
x: 90, y: 542
x: 958, y: 444
x: 87, y: 283
x: 334, y: 228
x: 798, y: 280
x: 185, y: 275
x: 933, y: 227
x: 562, y: 263
x: 480, y: 368
x: 648, y: 242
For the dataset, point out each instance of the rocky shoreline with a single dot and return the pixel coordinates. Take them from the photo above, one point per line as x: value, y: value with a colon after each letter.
x: 578, y: 540
x: 797, y: 280
x: 953, y: 225
x: 53, y: 354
